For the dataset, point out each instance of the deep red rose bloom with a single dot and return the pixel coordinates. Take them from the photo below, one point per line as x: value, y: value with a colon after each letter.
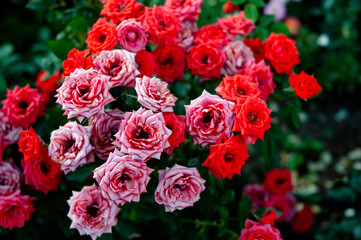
x: 303, y: 220
x: 305, y: 85
x: 23, y: 105
x: 30, y: 145
x: 284, y: 203
x: 278, y: 181
x: 281, y: 52
x: 211, y: 33
x: 269, y: 217
x: 257, y: 47
x: 229, y: 7
x: 227, y: 157
x: 120, y: 10
x: 236, y: 25
x: 102, y: 36
x: 252, y: 119
x: 145, y: 63
x: 77, y: 59
x: 160, y: 24
x: 177, y: 124
x: 42, y: 174
x: 238, y: 87
x: 48, y: 85
x: 170, y: 61
x: 206, y: 60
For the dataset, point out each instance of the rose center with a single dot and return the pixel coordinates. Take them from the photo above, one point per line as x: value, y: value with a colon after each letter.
x: 204, y: 59
x: 168, y: 62
x: 2, y: 181
x: 132, y: 37
x: 252, y: 117
x: 280, y: 181
x: 68, y: 145
x: 123, y: 178
x: 180, y: 187
x: 102, y: 38
x: 207, y: 117
x: 240, y: 91
x: 121, y: 7
x: 83, y: 91
x: 228, y: 157
x: 44, y: 168
x: 92, y: 210
x: 141, y: 134
x: 162, y: 23
x: 23, y: 105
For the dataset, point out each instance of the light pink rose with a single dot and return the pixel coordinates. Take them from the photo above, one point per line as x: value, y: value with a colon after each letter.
x: 105, y: 126
x: 8, y: 133
x: 184, y: 9
x: 179, y: 187
x: 284, y: 203
x: 258, y: 195
x: 122, y: 179
x: 70, y: 146
x: 238, y: 55
x: 119, y: 66
x: 277, y: 8
x: 84, y: 93
x: 207, y: 117
x: 186, y: 35
x: 143, y: 135
x: 10, y: 178
x: 91, y: 213
x: 15, y: 210
x: 258, y: 230
x: 132, y: 36
x: 260, y: 73
x: 154, y: 95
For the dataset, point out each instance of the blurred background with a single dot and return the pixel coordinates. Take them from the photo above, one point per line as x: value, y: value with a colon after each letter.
x: 323, y: 148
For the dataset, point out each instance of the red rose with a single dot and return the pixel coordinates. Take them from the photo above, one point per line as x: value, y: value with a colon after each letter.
x: 211, y: 33
x: 170, y: 61
x: 145, y: 63
x: 160, y: 24
x: 278, y: 181
x: 30, y: 145
x: 305, y: 85
x: 206, y: 61
x: 23, y: 105
x: 257, y: 47
x: 269, y: 217
x: 119, y: 10
x: 303, y: 220
x: 252, y: 119
x: 229, y: 7
x: 49, y: 85
x: 177, y: 124
x: 281, y: 52
x: 77, y: 59
x: 102, y: 36
x: 227, y: 157
x: 43, y: 174
x: 237, y: 87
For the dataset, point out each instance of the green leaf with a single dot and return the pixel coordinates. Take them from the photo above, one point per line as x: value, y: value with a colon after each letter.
x: 244, y: 209
x: 79, y: 24
x: 81, y: 174
x: 223, y: 211
x: 60, y: 48
x: 35, y: 5
x: 266, y: 20
x: 106, y: 236
x: 280, y: 27
x: 261, y: 32
x: 228, y: 196
x: 238, y: 2
x: 257, y: 3
x: 5, y: 50
x: 3, y: 85
x: 296, y: 119
x: 251, y: 12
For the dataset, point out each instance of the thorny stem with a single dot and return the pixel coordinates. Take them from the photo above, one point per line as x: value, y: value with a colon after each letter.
x: 198, y: 223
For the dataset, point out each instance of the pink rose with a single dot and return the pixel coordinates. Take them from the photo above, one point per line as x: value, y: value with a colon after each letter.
x: 119, y: 66
x: 15, y: 210
x: 143, y: 135
x: 154, y: 95
x: 132, y: 36
x: 186, y: 34
x: 84, y: 93
x: 260, y: 73
x: 255, y: 230
x: 184, y: 9
x: 207, y: 117
x: 105, y: 126
x: 236, y: 25
x: 70, y: 146
x: 238, y: 55
x: 122, y: 179
x: 258, y: 195
x: 91, y: 213
x: 284, y: 203
x: 10, y: 178
x: 8, y: 133
x: 179, y: 187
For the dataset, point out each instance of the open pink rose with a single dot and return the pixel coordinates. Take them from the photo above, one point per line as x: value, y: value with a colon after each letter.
x: 70, y: 146
x: 179, y: 187
x: 258, y: 195
x: 184, y: 9
x: 238, y: 55
x: 15, y: 210
x: 256, y: 230
x: 284, y: 203
x: 105, y: 126
x: 143, y: 135
x: 119, y: 66
x: 132, y: 36
x: 10, y: 178
x: 154, y: 95
x: 91, y: 213
x: 186, y: 34
x: 84, y: 93
x: 207, y: 117
x: 122, y: 179
x: 8, y: 133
